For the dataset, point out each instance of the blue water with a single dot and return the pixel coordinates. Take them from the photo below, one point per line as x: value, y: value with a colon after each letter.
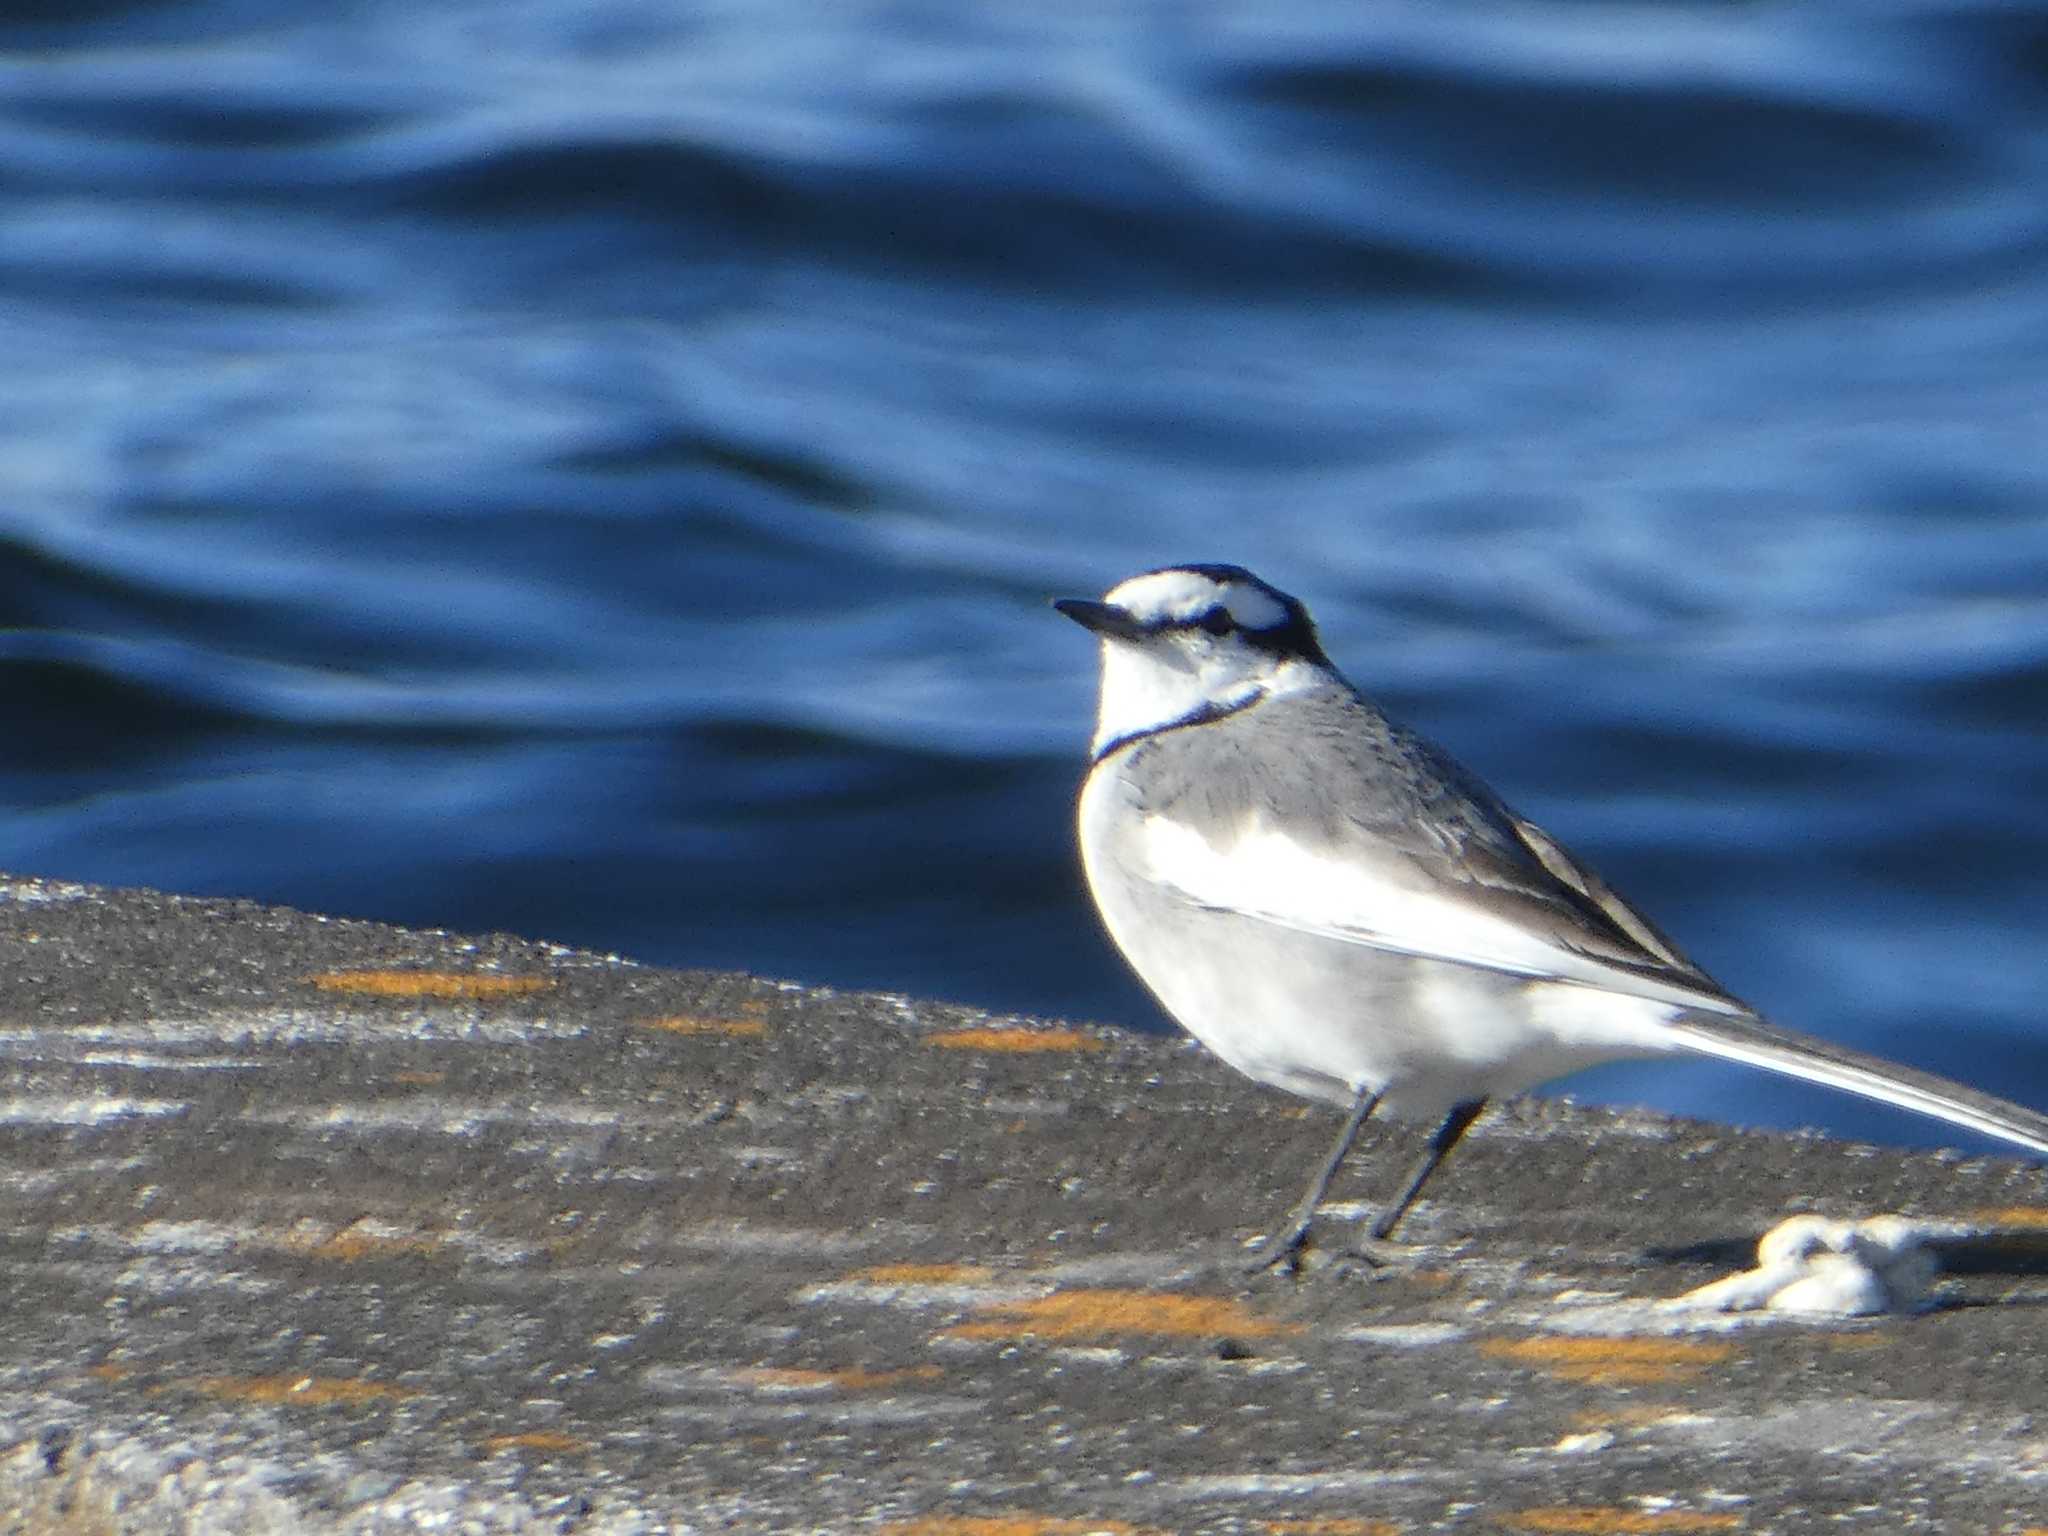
x: 596, y: 469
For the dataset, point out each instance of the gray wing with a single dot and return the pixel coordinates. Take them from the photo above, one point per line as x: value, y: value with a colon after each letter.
x: 1382, y: 797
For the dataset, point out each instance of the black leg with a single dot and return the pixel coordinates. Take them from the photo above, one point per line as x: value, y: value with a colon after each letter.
x: 1286, y: 1244
x: 1447, y: 1136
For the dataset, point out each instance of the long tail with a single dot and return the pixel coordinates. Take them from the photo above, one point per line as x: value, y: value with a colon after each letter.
x: 1755, y: 1043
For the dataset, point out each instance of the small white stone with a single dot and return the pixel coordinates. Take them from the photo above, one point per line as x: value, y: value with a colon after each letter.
x: 1580, y: 1445
x: 1891, y: 1234
x: 1800, y: 1237
x: 1819, y: 1267
x: 1835, y: 1286
x: 1744, y: 1292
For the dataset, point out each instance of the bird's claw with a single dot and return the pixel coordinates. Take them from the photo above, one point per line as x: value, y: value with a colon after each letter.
x: 1283, y: 1251
x: 1292, y: 1252
x: 1375, y: 1253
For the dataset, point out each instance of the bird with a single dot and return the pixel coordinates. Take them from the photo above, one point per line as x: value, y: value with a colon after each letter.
x: 1336, y: 907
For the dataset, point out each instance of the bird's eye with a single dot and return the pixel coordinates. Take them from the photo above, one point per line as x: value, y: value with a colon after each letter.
x: 1218, y: 621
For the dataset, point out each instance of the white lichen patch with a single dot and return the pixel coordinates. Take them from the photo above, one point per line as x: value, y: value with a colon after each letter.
x: 156, y: 1061
x: 38, y: 892
x: 920, y: 1292
x: 99, y: 1109
x: 462, y: 1021
x: 436, y: 1116
x: 1405, y: 1335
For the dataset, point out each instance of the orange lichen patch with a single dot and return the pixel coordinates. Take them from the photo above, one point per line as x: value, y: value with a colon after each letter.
x: 923, y: 1274
x: 1332, y: 1526
x: 419, y: 1079
x: 352, y: 1244
x: 1002, y: 1525
x: 536, y: 1440
x: 1014, y: 1041
x: 705, y: 1024
x: 301, y: 1391
x: 1596, y: 1521
x: 1611, y: 1362
x: 1090, y: 1314
x: 428, y: 983
x: 110, y: 1372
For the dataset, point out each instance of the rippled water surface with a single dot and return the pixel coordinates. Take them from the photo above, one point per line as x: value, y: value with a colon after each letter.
x: 596, y: 469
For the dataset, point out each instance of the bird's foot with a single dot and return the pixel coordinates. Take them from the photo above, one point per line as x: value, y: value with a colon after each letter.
x: 1284, y: 1251
x: 1375, y: 1253
x: 1292, y: 1252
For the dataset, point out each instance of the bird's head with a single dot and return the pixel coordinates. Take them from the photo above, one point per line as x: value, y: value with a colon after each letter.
x: 1190, y: 641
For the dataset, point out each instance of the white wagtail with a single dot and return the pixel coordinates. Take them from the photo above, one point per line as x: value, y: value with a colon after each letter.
x: 1333, y: 906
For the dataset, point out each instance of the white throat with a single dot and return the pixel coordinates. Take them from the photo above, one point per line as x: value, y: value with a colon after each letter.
x: 1143, y: 689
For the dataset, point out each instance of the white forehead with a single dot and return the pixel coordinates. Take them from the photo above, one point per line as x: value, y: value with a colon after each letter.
x: 1174, y: 595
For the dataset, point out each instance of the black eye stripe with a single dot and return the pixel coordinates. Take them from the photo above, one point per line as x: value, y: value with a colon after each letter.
x: 1290, y: 636
x: 1217, y: 621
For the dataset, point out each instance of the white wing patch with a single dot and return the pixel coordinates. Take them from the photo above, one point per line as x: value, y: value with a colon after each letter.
x: 1270, y: 877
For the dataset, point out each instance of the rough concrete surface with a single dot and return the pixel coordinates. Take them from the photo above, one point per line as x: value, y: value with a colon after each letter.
x: 314, y: 1225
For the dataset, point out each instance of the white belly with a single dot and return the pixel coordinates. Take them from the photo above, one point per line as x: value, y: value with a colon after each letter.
x: 1324, y: 1018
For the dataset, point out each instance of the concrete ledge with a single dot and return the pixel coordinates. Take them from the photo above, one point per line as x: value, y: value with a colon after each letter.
x: 324, y: 1226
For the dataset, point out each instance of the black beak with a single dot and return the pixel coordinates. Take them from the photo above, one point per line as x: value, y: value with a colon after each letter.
x: 1105, y: 619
